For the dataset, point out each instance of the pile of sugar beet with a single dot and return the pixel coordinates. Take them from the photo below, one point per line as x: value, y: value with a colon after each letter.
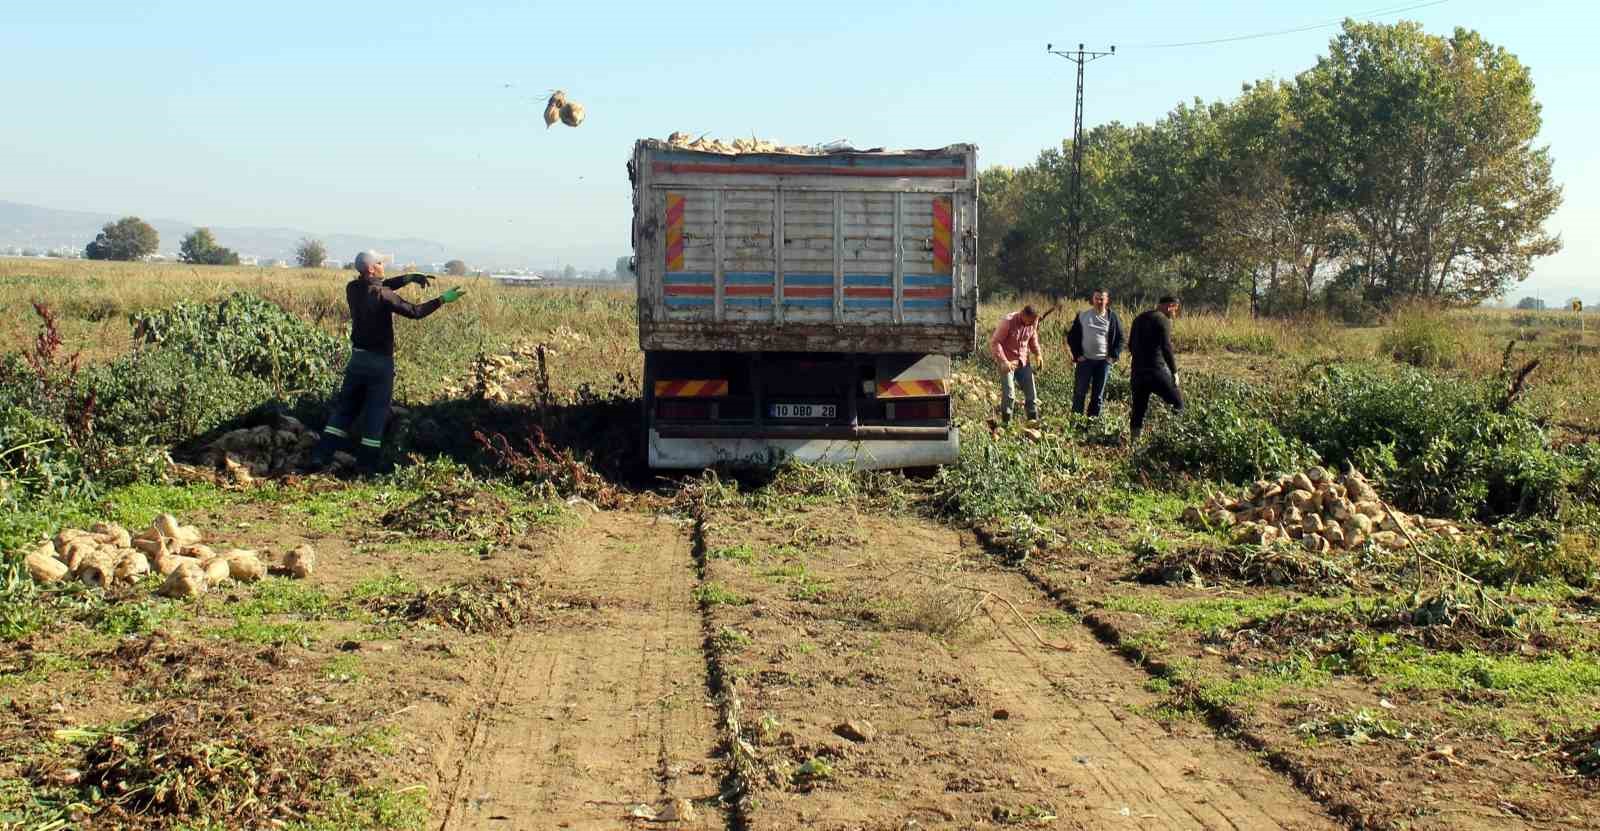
x: 107, y: 555
x: 1320, y: 511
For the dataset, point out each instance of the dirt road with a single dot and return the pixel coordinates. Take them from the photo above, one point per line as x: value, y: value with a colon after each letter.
x: 875, y: 693
x: 584, y: 720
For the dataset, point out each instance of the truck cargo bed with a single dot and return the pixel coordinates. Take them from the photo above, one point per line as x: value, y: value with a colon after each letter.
x: 840, y: 252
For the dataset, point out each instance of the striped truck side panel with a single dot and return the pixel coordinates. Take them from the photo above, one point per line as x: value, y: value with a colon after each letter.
x: 860, y: 258
x: 675, y: 207
x: 912, y: 389
x: 702, y: 388
x: 942, y: 218
x: 928, y: 281
x: 868, y: 257
x: 808, y: 257
x: 748, y: 259
x: 689, y: 276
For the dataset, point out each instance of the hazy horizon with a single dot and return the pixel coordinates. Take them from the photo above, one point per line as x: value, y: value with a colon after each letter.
x: 424, y: 121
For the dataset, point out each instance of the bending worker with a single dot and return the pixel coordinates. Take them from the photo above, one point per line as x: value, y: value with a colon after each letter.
x: 1155, y: 371
x: 1014, y: 341
x: 369, y: 377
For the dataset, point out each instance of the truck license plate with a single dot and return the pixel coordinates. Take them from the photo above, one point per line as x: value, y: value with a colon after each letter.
x: 803, y: 410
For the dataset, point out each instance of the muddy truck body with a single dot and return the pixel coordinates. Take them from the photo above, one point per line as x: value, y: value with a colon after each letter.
x: 803, y: 306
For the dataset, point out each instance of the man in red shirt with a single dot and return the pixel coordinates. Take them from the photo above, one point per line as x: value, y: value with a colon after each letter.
x: 1015, y: 347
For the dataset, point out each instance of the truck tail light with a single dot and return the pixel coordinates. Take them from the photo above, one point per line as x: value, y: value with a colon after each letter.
x: 683, y: 410
x: 931, y: 410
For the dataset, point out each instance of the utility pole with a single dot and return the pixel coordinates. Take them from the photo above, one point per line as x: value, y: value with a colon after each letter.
x: 1075, y: 241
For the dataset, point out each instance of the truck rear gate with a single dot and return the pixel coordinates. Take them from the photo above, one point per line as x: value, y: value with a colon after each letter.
x: 803, y: 305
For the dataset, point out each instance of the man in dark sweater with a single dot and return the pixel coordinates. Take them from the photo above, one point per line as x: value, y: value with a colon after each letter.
x: 369, y: 377
x: 1155, y: 371
x: 1096, y: 342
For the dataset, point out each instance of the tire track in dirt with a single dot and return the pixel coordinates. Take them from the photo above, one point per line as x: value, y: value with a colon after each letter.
x: 599, y: 709
x: 985, y: 727
x: 1223, y: 718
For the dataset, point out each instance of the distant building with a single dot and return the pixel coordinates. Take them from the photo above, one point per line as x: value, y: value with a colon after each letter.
x: 516, y: 279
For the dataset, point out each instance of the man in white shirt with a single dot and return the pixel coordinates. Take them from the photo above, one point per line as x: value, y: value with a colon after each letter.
x: 1096, y: 343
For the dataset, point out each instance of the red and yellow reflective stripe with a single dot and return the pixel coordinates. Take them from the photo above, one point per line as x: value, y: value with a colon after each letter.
x: 941, y: 235
x: 911, y: 389
x: 691, y: 389
x: 674, y: 232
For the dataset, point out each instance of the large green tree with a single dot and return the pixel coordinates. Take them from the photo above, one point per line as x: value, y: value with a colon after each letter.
x: 201, y: 248
x: 129, y: 238
x: 1401, y: 165
x: 1425, y: 146
x: 310, y: 253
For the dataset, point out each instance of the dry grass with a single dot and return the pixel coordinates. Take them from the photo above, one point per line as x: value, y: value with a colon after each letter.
x: 594, y: 331
x: 94, y: 300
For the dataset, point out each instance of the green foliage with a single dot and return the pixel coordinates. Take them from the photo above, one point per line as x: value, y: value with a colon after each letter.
x: 1438, y: 445
x: 715, y: 594
x: 1424, y: 146
x: 1583, y: 470
x: 22, y: 612
x: 1401, y: 165
x: 1540, y: 550
x: 999, y: 477
x: 37, y: 460
x: 129, y: 238
x: 1410, y: 667
x: 162, y: 397
x: 1424, y: 339
x: 310, y: 253
x: 201, y: 248
x: 741, y: 553
x: 1359, y: 727
x: 455, y: 268
x: 814, y: 770
x: 247, y: 335
x: 1224, y: 432
x: 129, y: 617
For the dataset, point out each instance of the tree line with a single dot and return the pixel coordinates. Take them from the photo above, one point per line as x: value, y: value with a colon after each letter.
x: 1401, y: 166
x: 131, y: 238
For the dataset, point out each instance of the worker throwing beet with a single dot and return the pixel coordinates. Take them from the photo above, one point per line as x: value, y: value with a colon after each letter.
x: 369, y: 377
x: 1155, y: 371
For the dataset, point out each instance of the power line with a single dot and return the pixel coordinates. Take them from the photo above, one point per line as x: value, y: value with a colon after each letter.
x: 1081, y: 58
x: 1306, y: 28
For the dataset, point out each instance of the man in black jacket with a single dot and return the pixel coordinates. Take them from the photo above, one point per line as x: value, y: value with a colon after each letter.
x: 1096, y: 342
x: 368, y: 386
x: 1155, y: 371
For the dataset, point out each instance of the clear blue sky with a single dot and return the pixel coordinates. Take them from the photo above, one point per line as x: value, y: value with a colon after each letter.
x: 423, y: 119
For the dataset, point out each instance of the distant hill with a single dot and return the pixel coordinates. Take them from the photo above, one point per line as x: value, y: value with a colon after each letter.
x: 31, y: 226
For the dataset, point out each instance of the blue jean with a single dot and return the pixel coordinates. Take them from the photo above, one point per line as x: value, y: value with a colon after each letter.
x: 1090, y: 377
x: 1023, y: 377
x: 360, y: 409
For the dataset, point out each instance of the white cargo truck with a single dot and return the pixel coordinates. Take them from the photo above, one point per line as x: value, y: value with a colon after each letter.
x: 803, y: 306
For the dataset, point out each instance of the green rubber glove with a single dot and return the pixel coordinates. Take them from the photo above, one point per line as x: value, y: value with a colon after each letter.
x: 451, y: 295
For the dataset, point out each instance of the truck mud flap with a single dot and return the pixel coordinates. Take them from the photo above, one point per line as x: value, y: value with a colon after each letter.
x: 670, y: 453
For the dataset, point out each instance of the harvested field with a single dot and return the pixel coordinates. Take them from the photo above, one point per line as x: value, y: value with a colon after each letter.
x: 524, y: 630
x: 1011, y: 716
